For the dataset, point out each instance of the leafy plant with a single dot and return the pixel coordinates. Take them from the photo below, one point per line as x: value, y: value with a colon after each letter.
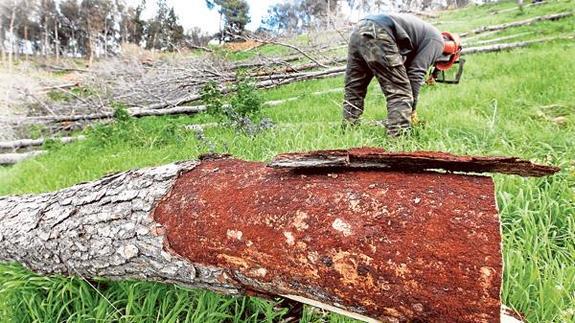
x: 120, y: 112
x: 246, y: 102
x: 244, y: 109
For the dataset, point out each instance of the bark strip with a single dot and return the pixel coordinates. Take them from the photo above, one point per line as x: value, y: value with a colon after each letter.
x: 377, y: 158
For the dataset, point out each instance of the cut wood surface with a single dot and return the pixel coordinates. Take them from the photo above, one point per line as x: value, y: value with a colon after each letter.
x: 525, y: 22
x: 391, y: 245
x: 416, y: 161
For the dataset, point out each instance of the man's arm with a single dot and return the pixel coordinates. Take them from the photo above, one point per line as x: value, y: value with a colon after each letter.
x: 426, y: 55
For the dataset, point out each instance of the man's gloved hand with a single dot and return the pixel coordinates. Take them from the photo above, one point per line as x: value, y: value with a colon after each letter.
x: 414, y: 118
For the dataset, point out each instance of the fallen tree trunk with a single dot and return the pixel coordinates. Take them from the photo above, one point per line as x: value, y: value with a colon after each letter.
x: 483, y: 29
x: 390, y: 246
x: 134, y: 112
x: 500, y: 47
x: 421, y: 13
x: 498, y: 39
x: 14, y: 158
x: 23, y: 143
x: 495, y: 12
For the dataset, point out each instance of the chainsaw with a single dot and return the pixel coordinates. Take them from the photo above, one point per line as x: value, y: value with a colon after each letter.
x: 439, y: 76
x: 451, y: 56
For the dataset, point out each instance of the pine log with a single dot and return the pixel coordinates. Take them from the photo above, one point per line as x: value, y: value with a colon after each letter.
x: 499, y: 39
x: 506, y: 46
x: 525, y: 22
x: 134, y: 112
x: 14, y: 158
x: 421, y: 13
x: 495, y: 12
x: 24, y: 143
x: 373, y: 245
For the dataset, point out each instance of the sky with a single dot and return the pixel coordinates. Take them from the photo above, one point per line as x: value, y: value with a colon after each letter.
x: 194, y: 13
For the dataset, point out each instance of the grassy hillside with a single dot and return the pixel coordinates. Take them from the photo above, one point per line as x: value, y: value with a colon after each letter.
x: 517, y: 103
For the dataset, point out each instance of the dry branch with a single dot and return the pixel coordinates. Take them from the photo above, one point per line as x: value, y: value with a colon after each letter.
x: 205, y: 49
x: 14, y: 158
x: 66, y: 69
x: 371, y: 245
x: 484, y: 29
x: 299, y: 50
x: 23, y: 143
x: 59, y: 86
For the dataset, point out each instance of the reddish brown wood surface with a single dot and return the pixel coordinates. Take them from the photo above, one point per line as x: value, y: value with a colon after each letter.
x: 410, y: 161
x: 389, y: 245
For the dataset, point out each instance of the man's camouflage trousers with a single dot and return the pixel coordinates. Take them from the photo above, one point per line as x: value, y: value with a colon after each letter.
x: 373, y: 52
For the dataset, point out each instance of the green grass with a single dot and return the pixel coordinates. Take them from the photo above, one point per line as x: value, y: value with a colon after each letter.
x: 507, y: 104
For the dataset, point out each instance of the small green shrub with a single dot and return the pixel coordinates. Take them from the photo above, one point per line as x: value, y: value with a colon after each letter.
x: 213, y: 99
x: 247, y: 101
x: 244, y: 110
x: 121, y: 112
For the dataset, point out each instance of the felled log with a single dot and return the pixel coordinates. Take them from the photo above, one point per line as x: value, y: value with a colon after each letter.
x: 525, y: 22
x: 15, y: 158
x: 494, y: 12
x: 134, y: 112
x: 501, y: 47
x: 421, y: 13
x: 499, y: 39
x: 24, y: 143
x: 391, y: 245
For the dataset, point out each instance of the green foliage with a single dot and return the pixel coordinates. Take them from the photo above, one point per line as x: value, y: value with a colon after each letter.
x: 235, y: 13
x: 121, y: 112
x: 244, y: 109
x: 246, y: 100
x: 213, y: 98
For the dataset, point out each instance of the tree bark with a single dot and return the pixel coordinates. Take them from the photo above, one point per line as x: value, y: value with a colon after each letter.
x: 103, y: 229
x: 390, y: 245
x: 11, y: 32
x: 56, y: 40
x: 2, y: 40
